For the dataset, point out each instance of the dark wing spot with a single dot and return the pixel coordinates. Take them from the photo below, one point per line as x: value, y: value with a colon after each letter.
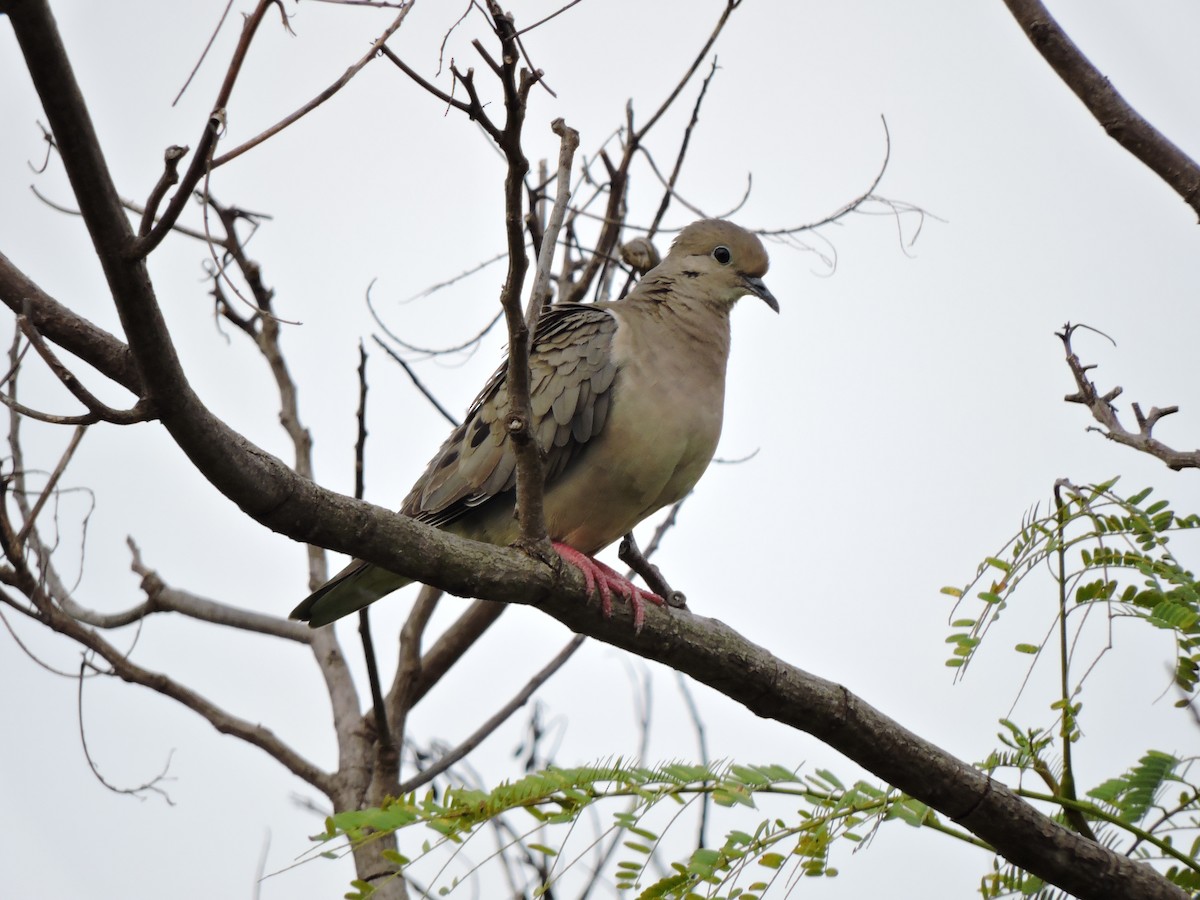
x: 447, y: 459
x: 480, y: 434
x: 691, y: 274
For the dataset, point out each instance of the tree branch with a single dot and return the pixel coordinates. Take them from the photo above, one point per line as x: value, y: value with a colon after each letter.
x: 705, y: 649
x: 95, y: 346
x: 316, y: 101
x: 519, y: 418
x: 1103, y: 411
x: 123, y: 667
x: 539, y: 294
x: 1120, y: 120
x: 477, y: 737
x: 201, y: 162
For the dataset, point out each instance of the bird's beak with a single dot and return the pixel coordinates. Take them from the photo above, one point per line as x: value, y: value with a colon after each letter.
x: 756, y: 287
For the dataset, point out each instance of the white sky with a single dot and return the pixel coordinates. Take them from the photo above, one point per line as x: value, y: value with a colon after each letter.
x: 906, y: 405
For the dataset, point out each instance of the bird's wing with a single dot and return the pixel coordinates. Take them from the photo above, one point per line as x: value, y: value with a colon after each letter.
x: 572, y: 372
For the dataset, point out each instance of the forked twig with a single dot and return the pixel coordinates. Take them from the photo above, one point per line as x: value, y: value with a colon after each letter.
x: 1102, y: 410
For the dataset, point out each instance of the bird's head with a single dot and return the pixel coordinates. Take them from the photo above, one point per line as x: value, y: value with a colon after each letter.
x: 725, y: 261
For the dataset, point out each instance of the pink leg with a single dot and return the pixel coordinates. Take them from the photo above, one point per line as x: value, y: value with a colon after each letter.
x: 601, y: 579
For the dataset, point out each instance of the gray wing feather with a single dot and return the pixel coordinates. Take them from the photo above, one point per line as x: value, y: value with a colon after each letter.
x: 572, y: 374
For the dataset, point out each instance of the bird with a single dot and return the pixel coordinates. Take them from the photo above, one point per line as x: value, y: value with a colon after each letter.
x: 627, y: 402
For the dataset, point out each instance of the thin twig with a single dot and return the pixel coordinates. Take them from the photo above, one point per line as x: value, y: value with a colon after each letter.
x: 472, y: 344
x: 408, y: 673
x: 203, y: 53
x: 201, y: 160
x: 851, y: 206
x: 416, y: 381
x: 495, y: 721
x: 151, y: 785
x: 670, y: 183
x: 545, y: 19
x: 170, y: 176
x: 142, y: 411
x: 51, y: 482
x: 689, y: 700
x: 316, y: 101
x: 539, y: 294
x: 730, y: 6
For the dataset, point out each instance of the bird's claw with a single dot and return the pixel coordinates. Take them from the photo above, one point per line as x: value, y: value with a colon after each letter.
x: 605, y: 581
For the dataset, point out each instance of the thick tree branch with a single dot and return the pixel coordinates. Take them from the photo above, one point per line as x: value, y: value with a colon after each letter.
x: 96, y: 347
x: 1119, y: 119
x: 707, y: 650
x: 97, y: 411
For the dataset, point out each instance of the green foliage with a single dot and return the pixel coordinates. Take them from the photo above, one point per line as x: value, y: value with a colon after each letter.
x: 1130, y: 796
x: 1103, y: 552
x: 745, y: 865
x: 1112, y: 550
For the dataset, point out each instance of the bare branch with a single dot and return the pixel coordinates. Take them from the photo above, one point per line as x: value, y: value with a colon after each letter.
x: 539, y: 295
x: 545, y: 19
x: 1120, y: 120
x: 122, y: 666
x: 519, y: 417
x: 312, y: 104
x: 474, y: 109
x: 50, y: 145
x: 479, y: 267
x: 153, y: 785
x: 200, y: 165
x: 51, y: 483
x: 1102, y: 410
x: 76, y: 335
x: 170, y: 176
x: 631, y: 555
x: 204, y: 53
x: 417, y: 382
x: 670, y: 183
x: 160, y: 597
x: 360, y: 445
x: 853, y: 205
x: 471, y: 345
x: 453, y: 644
x: 478, y: 736
x: 97, y: 411
x: 730, y: 6
x: 405, y: 693
x: 689, y: 701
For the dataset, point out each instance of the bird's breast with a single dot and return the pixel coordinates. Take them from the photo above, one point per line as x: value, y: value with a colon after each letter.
x: 663, y: 427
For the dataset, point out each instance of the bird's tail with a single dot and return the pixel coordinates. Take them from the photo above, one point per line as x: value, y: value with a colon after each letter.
x: 359, y: 584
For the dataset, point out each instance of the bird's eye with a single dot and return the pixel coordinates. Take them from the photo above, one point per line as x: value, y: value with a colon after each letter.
x: 722, y: 255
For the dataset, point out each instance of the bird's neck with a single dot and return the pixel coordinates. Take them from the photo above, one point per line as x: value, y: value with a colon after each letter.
x: 695, y: 331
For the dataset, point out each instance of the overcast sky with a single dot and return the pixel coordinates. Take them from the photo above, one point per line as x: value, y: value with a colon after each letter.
x: 905, y: 408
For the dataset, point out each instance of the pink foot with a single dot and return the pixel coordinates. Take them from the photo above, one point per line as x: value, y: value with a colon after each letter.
x: 601, y: 579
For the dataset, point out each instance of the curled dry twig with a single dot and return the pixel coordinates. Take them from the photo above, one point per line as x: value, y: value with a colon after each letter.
x: 154, y: 785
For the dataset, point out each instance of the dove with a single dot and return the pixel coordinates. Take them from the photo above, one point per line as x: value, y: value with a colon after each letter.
x: 627, y: 400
